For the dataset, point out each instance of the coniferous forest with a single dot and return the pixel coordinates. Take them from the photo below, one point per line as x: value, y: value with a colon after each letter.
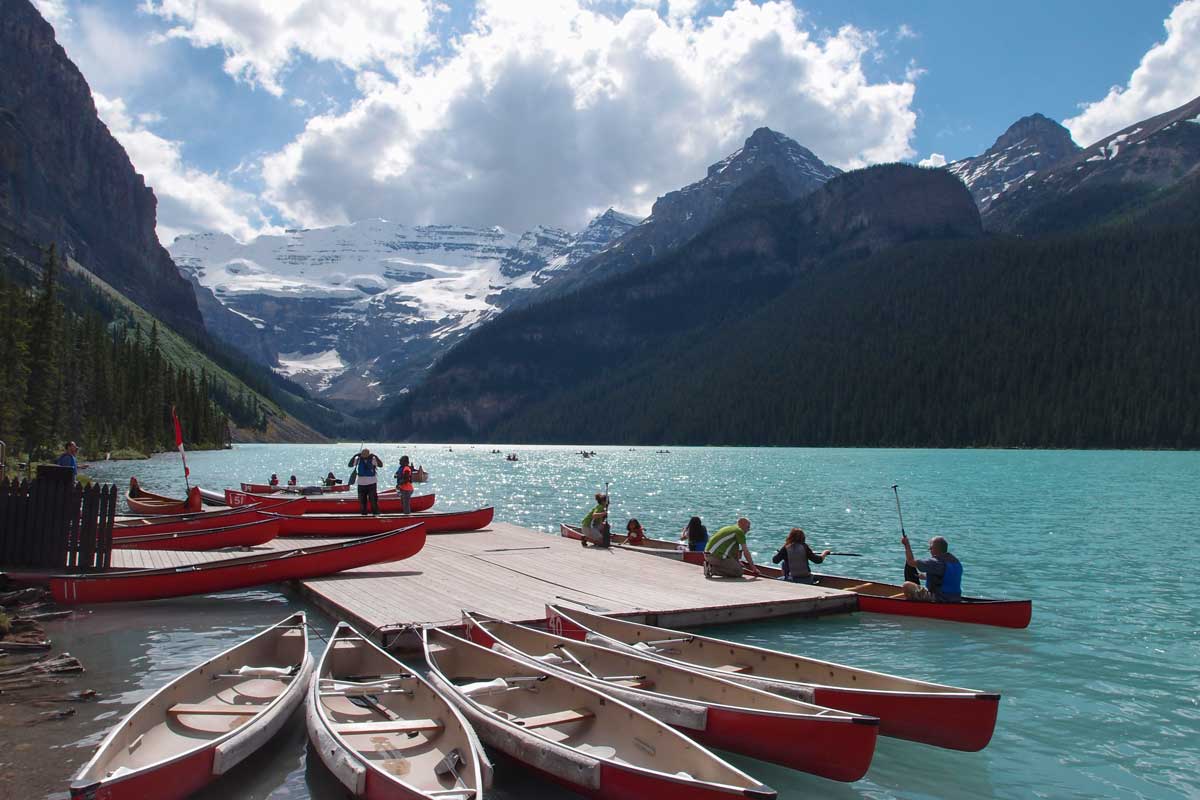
x: 73, y: 367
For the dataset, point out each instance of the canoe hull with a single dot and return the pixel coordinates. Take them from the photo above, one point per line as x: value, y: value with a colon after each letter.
x: 205, y: 520
x: 321, y: 504
x: 237, y: 573
x: 247, y: 534
x: 174, y: 780
x: 360, y: 525
x: 143, y: 502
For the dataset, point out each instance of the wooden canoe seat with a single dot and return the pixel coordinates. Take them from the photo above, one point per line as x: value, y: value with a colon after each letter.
x: 899, y: 596
x: 556, y: 718
x: 389, y: 726
x: 735, y: 668
x: 229, y: 710
x: 857, y: 588
x: 635, y: 684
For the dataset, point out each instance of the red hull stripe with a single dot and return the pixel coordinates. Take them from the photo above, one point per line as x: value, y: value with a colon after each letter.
x: 360, y: 525
x: 245, y: 535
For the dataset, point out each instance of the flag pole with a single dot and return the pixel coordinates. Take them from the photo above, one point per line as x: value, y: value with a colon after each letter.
x: 179, y: 445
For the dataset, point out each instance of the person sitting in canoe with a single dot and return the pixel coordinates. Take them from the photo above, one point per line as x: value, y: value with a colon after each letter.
x: 633, y: 533
x: 365, y: 464
x: 331, y: 480
x: 292, y: 481
x: 943, y: 573
x: 795, y: 556
x: 595, y: 527
x: 694, y: 535
x: 274, y: 480
x: 725, y: 550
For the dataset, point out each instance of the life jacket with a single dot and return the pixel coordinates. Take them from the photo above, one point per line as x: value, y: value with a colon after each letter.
x: 952, y: 579
x: 406, y: 479
x: 366, y: 467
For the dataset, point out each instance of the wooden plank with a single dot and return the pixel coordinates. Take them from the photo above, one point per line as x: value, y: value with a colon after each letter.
x: 555, y: 718
x: 201, y: 709
x: 389, y: 726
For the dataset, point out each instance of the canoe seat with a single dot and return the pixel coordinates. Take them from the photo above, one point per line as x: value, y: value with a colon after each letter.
x: 389, y: 726
x: 635, y: 684
x: 735, y: 668
x: 227, y: 710
x: 555, y: 718
x: 899, y: 596
x: 857, y: 588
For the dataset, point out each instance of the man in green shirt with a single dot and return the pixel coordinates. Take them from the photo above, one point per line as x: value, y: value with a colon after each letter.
x: 595, y: 523
x: 725, y: 550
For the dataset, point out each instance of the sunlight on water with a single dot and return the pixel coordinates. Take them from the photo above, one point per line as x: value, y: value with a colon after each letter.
x: 1100, y: 694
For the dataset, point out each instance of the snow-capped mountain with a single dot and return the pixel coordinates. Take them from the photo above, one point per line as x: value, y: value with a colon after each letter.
x: 1030, y: 144
x: 357, y: 312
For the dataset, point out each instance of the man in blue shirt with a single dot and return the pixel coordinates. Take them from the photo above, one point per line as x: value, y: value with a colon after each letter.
x: 943, y: 573
x: 67, y: 459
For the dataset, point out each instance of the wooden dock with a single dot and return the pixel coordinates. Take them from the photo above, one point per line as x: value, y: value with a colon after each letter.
x: 512, y: 572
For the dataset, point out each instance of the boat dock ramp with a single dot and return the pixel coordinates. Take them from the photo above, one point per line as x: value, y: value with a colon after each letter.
x: 512, y: 572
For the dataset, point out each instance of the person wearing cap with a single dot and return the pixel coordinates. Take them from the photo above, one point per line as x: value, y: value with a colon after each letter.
x: 67, y: 459
x: 943, y: 573
x: 725, y: 550
x: 365, y: 465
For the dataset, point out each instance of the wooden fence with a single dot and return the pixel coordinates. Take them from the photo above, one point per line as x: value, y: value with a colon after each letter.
x: 52, y: 523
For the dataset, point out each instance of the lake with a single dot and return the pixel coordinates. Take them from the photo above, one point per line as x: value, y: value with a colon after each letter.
x: 1100, y: 693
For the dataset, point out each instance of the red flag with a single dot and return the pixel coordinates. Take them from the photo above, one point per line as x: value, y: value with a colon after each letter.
x: 179, y: 442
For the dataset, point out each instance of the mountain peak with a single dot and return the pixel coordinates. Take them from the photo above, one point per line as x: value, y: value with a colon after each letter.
x: 1035, y: 125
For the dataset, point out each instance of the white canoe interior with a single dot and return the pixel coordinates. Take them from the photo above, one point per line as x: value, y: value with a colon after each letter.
x: 620, y: 670
x: 569, y: 714
x: 392, y: 722
x: 212, y: 705
x: 739, y: 661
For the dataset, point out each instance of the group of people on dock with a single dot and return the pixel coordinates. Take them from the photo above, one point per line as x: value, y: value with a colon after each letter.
x: 364, y: 475
x: 727, y: 554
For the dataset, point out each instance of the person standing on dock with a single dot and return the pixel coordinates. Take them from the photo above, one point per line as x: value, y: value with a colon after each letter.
x: 943, y: 573
x: 725, y: 550
x: 404, y: 485
x: 795, y: 555
x: 595, y: 523
x: 365, y: 464
x: 67, y: 459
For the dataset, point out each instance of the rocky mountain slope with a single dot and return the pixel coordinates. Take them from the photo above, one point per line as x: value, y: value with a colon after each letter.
x: 65, y: 179
x: 745, y: 259
x: 357, y: 313
x: 1119, y: 173
x: 678, y: 216
x: 1030, y: 144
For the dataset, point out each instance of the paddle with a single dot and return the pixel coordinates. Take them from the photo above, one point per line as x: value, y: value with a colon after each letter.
x: 910, y: 572
x: 856, y: 555
x: 371, y: 703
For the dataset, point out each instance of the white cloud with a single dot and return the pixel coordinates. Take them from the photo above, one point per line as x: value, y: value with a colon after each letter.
x: 542, y: 111
x: 189, y: 199
x: 55, y: 12
x: 261, y: 38
x: 1168, y: 76
x: 905, y: 31
x: 113, y: 57
x: 934, y: 160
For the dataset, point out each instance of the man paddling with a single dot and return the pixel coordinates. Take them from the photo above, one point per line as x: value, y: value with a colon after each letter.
x: 595, y: 523
x: 365, y: 464
x: 943, y: 573
x: 725, y: 550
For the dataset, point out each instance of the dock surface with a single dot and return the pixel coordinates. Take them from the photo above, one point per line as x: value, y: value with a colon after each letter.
x: 512, y: 572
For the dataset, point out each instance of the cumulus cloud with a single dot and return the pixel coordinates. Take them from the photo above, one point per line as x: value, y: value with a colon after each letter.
x: 1168, y: 76
x: 544, y: 111
x: 934, y: 160
x: 261, y: 38
x: 189, y: 199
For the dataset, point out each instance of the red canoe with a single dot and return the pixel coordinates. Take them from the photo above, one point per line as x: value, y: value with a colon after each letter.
x: 873, y: 596
x: 389, y: 503
x: 247, y: 534
x: 238, y: 573
x: 201, y: 521
x: 710, y: 709
x: 143, y: 502
x: 931, y: 713
x: 364, y: 525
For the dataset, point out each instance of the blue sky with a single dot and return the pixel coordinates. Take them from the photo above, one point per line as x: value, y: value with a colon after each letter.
x: 246, y: 119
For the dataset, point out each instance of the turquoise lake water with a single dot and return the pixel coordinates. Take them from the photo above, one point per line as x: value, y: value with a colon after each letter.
x: 1100, y: 693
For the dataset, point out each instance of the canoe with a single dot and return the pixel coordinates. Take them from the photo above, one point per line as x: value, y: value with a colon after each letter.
x: 363, y: 525
x: 266, y: 488
x: 200, y: 725
x: 203, y: 520
x: 247, y: 534
x: 420, y: 476
x: 389, y: 503
x: 142, y: 502
x: 385, y: 732
x: 873, y: 596
x: 572, y: 734
x: 713, y: 711
x: 237, y: 573
x: 931, y: 713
